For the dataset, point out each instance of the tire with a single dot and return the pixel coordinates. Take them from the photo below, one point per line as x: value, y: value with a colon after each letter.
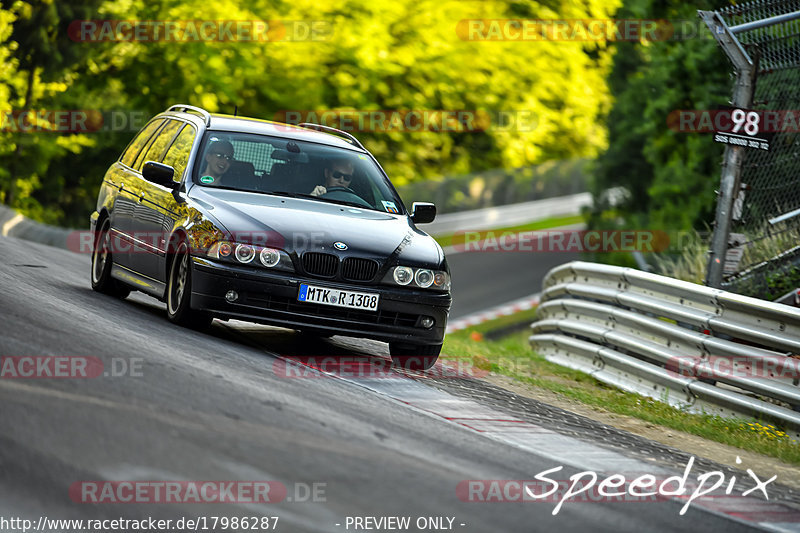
x: 414, y: 356
x: 179, y: 292
x: 101, y: 265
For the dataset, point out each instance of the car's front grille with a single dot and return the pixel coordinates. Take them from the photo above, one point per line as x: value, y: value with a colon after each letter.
x: 320, y: 264
x: 326, y: 265
x: 357, y: 269
x: 281, y: 303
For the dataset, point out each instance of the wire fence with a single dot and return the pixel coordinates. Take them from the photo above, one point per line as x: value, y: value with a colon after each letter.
x: 766, y: 207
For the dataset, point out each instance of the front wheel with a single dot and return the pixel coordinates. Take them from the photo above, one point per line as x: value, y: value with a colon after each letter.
x: 179, y: 292
x: 101, y: 265
x: 414, y: 356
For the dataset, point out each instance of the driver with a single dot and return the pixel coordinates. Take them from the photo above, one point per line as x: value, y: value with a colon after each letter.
x: 338, y: 173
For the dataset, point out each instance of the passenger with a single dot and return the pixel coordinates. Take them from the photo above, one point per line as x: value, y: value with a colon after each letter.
x: 218, y: 161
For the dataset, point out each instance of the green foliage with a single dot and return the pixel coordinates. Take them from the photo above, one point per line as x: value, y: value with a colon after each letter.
x: 512, y: 356
x: 376, y: 55
x: 8, y: 65
x: 44, y: 64
x: 670, y: 176
x: 501, y: 186
x: 779, y: 283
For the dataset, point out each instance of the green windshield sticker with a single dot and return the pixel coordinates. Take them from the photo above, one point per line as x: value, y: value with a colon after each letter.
x: 207, y: 179
x: 361, y: 156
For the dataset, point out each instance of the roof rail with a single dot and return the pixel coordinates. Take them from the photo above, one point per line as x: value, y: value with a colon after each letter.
x: 190, y: 108
x: 328, y: 129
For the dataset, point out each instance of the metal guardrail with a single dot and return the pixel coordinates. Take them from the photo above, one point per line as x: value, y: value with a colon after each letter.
x: 13, y: 224
x: 508, y: 215
x: 697, y: 348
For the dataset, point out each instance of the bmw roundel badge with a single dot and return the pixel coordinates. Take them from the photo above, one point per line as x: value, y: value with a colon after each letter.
x: 339, y: 245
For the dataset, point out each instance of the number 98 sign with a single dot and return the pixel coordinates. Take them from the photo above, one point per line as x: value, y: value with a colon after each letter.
x: 744, y: 130
x: 749, y: 120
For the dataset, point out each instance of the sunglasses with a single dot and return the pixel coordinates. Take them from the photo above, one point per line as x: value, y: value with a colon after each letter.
x: 223, y: 156
x: 341, y: 176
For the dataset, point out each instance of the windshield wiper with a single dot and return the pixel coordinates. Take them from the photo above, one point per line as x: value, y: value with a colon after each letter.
x: 301, y: 195
x: 306, y: 196
x: 332, y: 201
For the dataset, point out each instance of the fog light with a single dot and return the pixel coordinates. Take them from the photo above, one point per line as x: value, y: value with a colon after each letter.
x: 231, y: 296
x: 426, y: 322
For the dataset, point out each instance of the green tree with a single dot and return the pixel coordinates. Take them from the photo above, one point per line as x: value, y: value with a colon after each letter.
x: 376, y: 55
x: 44, y: 59
x: 669, y: 176
x: 8, y: 66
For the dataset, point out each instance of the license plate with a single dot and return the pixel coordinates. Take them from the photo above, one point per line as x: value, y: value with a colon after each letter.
x: 337, y: 297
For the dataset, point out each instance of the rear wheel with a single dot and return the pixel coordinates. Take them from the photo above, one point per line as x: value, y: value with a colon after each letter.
x: 101, y: 265
x: 414, y: 356
x: 179, y: 292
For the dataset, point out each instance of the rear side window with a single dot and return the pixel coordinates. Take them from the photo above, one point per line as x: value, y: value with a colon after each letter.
x: 133, y: 149
x: 159, y: 145
x: 178, y: 154
x: 258, y: 153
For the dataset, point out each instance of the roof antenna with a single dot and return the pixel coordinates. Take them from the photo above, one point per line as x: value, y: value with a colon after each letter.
x: 235, y: 110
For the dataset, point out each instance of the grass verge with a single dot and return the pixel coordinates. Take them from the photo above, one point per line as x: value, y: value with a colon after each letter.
x: 556, y: 222
x: 512, y: 356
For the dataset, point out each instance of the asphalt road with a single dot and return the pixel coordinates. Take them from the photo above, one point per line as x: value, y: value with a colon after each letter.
x: 216, y: 406
x: 483, y: 279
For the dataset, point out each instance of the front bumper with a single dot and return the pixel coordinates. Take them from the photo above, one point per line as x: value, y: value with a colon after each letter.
x: 270, y: 297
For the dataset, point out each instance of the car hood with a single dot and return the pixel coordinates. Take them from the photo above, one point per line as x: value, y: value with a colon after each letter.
x: 299, y: 225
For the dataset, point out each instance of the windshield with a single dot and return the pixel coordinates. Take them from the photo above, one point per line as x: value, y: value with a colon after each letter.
x: 272, y: 165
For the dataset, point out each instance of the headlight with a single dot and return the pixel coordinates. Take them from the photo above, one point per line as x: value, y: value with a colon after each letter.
x: 244, y: 253
x: 423, y: 278
x: 269, y: 257
x: 241, y: 253
x: 403, y: 275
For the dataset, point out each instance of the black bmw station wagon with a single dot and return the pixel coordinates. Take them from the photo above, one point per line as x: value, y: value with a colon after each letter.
x: 296, y: 226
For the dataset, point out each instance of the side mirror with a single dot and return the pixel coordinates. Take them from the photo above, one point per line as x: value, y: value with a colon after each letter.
x: 423, y: 212
x: 159, y: 174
